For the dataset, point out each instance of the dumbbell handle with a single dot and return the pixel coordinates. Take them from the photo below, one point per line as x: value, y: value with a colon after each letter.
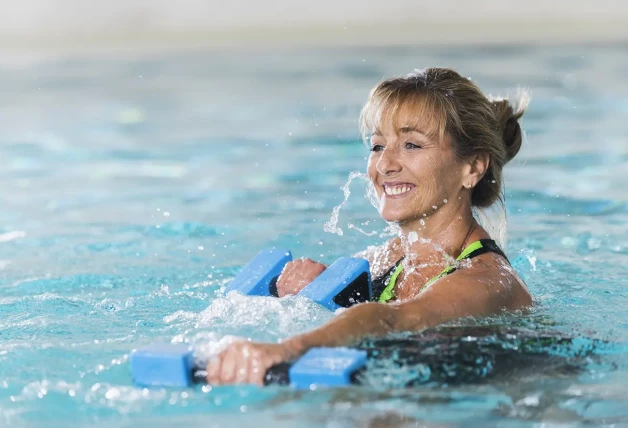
x: 276, y: 375
x: 173, y: 365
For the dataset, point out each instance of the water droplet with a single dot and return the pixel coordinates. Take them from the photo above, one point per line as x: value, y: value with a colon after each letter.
x: 112, y: 394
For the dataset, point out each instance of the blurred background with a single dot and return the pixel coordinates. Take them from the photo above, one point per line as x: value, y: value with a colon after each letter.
x: 150, y: 148
x: 143, y: 24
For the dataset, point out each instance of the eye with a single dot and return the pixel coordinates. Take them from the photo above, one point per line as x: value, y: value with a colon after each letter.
x: 412, y: 146
x: 377, y: 148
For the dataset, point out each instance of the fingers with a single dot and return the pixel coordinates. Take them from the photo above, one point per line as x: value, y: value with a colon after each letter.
x: 257, y: 372
x: 296, y: 275
x: 257, y: 369
x: 236, y: 364
x: 213, y: 370
x: 244, y: 365
x: 241, y: 363
x: 318, y: 268
x: 283, y: 280
x: 221, y: 367
x: 228, y: 367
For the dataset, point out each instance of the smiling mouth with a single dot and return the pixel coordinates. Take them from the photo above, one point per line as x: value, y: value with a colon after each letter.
x: 397, y: 190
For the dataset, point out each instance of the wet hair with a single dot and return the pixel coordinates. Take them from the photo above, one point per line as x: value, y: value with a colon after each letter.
x: 444, y: 102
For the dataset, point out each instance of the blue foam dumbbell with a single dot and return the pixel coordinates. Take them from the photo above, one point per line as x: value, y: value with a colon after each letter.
x: 259, y: 276
x: 326, y: 367
x: 173, y: 365
x: 345, y: 282
x: 162, y: 365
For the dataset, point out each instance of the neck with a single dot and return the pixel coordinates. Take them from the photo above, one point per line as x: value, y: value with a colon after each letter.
x: 447, y: 230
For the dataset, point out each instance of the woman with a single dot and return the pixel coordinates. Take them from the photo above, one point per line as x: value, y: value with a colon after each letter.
x: 438, y: 146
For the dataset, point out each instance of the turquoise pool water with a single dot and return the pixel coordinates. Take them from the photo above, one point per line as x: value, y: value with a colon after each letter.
x: 134, y: 187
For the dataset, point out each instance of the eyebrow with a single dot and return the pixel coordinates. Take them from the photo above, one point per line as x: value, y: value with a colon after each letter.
x: 402, y: 130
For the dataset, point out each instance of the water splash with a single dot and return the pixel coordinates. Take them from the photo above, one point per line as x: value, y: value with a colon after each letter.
x: 362, y: 231
x: 331, y: 226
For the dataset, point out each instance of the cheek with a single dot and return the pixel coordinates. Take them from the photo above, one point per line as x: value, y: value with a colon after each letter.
x: 434, y: 179
x: 427, y: 171
x: 449, y: 180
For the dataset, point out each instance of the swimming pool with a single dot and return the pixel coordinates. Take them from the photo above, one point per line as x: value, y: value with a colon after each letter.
x: 134, y: 187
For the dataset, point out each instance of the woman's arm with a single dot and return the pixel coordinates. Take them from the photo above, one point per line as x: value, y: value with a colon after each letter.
x: 455, y: 296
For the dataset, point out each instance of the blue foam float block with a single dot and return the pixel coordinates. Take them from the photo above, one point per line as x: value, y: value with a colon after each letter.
x: 256, y: 276
x: 162, y: 365
x: 326, y: 367
x: 337, y: 280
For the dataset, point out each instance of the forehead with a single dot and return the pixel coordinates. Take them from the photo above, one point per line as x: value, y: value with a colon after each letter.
x: 415, y: 113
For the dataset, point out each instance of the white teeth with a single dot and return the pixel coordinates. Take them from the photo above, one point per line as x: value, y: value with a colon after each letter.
x: 397, y: 190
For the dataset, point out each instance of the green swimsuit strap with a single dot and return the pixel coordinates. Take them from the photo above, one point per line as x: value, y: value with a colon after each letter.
x: 472, y: 250
x: 388, y: 292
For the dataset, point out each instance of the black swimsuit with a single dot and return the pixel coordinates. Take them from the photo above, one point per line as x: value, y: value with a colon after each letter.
x: 382, y: 284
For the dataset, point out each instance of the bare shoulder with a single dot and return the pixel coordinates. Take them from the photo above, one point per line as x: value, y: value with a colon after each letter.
x: 492, y: 273
x: 483, y: 286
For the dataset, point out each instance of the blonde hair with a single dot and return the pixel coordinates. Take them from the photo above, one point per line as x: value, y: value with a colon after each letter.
x: 452, y: 104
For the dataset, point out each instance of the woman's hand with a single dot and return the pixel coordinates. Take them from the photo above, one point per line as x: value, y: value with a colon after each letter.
x: 247, y: 362
x: 296, y: 275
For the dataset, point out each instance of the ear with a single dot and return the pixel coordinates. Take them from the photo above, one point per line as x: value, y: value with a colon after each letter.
x: 474, y: 169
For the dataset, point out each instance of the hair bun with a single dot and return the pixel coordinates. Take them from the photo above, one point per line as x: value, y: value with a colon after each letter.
x: 512, y: 137
x: 508, y: 120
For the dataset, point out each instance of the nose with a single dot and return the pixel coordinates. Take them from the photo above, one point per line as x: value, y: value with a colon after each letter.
x: 388, y: 163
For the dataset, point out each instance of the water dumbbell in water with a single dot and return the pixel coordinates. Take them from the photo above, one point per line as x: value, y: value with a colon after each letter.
x: 173, y: 365
x: 259, y: 276
x: 345, y: 282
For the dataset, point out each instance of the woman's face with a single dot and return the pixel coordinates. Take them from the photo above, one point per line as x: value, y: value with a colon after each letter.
x: 413, y: 173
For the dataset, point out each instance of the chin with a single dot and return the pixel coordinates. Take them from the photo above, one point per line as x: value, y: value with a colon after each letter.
x: 396, y: 217
x: 401, y: 217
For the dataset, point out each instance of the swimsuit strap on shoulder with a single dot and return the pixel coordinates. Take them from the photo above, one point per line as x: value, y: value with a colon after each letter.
x: 472, y: 250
